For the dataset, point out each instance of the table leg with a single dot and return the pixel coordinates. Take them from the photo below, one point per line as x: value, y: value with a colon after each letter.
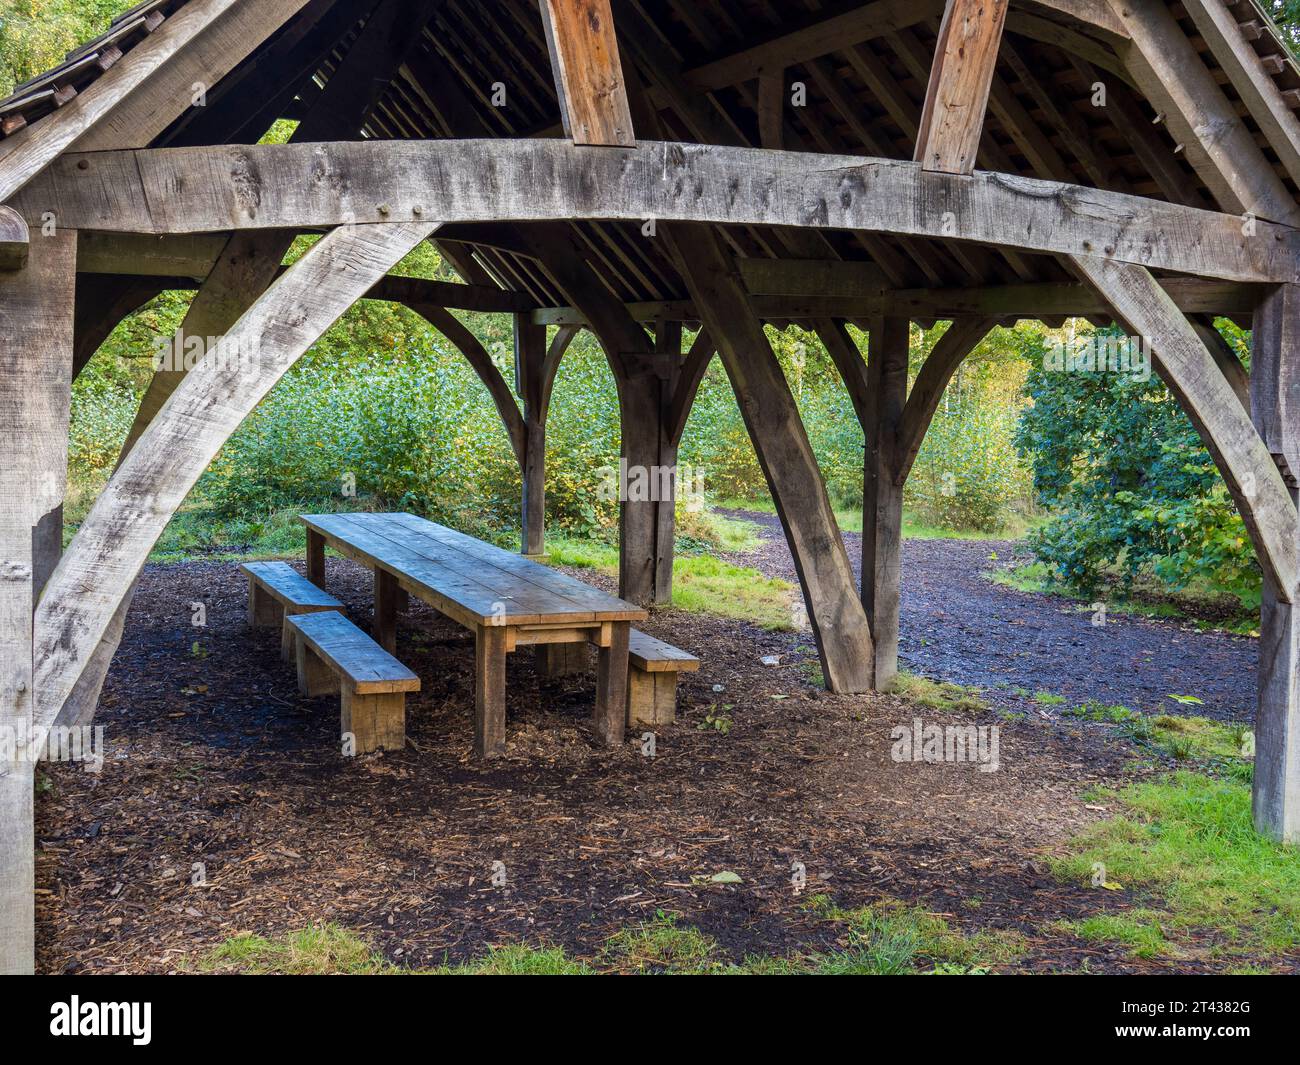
x: 490, y: 691
x: 611, y: 686
x: 386, y: 589
x: 316, y: 558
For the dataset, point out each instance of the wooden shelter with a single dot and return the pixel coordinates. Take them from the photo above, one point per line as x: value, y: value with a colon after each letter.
x: 627, y: 167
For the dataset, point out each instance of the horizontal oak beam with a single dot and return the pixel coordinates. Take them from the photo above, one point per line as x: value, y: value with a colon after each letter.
x: 301, y: 186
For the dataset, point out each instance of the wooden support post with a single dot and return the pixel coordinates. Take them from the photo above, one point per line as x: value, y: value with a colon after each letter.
x: 610, y: 718
x: 386, y: 590
x: 1252, y: 458
x: 316, y: 558
x: 35, y: 377
x: 490, y: 691
x: 530, y: 366
x: 1275, y: 406
x: 835, y: 611
x: 882, y: 494
x: 588, y: 74
x: 957, y: 96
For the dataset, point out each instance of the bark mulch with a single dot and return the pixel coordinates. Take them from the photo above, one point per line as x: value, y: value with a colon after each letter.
x: 215, y: 763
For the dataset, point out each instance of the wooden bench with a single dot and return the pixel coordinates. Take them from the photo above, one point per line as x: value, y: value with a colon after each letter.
x: 276, y: 591
x: 336, y: 656
x: 652, y: 679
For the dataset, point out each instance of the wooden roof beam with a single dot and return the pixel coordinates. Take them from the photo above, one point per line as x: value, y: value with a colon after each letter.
x: 1166, y: 66
x: 960, y: 78
x: 138, y: 97
x: 588, y: 74
x: 1262, y: 96
x: 302, y: 186
x: 816, y: 39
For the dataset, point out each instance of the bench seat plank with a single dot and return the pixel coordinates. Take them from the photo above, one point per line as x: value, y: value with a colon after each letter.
x: 368, y: 668
x: 291, y: 588
x: 652, y: 655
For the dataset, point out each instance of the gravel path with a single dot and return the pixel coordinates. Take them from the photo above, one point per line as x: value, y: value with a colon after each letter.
x: 957, y: 625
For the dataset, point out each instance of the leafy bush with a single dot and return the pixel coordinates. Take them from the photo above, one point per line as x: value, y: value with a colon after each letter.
x: 1133, y: 488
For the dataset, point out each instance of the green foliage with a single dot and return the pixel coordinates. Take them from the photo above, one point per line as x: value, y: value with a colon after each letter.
x: 36, y: 34
x: 1132, y: 489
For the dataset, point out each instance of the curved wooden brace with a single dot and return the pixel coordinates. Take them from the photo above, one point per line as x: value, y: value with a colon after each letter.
x: 477, y: 356
x: 115, y: 539
x: 14, y: 239
x: 962, y: 337
x: 1190, y: 372
x: 564, y: 336
x: 101, y: 305
x: 688, y: 384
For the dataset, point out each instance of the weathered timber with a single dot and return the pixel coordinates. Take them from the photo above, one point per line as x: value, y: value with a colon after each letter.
x: 1193, y: 377
x: 838, y: 620
x: 530, y: 368
x: 140, y: 498
x: 305, y: 185
x: 35, y: 378
x: 153, y: 84
x: 818, y: 38
x: 588, y: 75
x: 882, y: 495
x: 653, y: 666
x: 1166, y: 66
x: 1261, y: 94
x: 952, y: 117
x: 1275, y: 403
x: 372, y: 684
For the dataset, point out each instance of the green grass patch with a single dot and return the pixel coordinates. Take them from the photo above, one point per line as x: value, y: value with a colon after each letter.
x: 886, y: 938
x: 1139, y: 930
x: 1095, y: 711
x: 849, y: 519
x: 1188, y: 840
x: 890, y: 938
x: 936, y: 695
x: 701, y: 583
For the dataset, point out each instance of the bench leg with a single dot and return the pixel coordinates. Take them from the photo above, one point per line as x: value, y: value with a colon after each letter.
x: 263, y: 610
x: 375, y: 721
x: 314, y: 676
x: 651, y: 698
x: 490, y: 691
x: 386, y: 589
x: 611, y: 686
x: 288, y: 640
x: 562, y: 659
x: 316, y: 558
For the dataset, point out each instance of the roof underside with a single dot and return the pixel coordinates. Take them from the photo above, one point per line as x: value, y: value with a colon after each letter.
x: 862, y: 97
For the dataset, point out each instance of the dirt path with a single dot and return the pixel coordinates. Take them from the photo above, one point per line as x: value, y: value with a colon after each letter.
x: 958, y: 626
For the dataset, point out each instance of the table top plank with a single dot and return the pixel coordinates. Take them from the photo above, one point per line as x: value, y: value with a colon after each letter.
x: 474, y: 582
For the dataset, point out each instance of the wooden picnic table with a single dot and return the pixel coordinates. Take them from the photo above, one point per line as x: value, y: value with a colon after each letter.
x: 504, y: 599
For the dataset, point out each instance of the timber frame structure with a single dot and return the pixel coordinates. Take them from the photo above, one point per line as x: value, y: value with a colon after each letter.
x: 632, y: 167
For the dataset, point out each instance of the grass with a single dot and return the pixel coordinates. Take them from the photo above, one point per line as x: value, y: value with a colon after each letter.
x: 935, y: 695
x: 1139, y: 930
x: 849, y: 519
x: 701, y: 583
x: 1187, y: 841
x: 886, y: 938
